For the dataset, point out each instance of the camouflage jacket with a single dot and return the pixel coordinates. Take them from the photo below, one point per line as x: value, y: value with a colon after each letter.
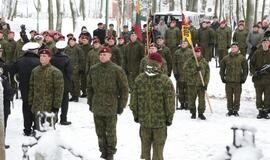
x: 86, y: 48
x: 76, y: 56
x: 51, y: 46
x: 46, y: 88
x: 152, y: 100
x: 172, y: 37
x: 206, y: 37
x: 240, y: 36
x: 167, y: 55
x: 117, y: 57
x: 234, y: 68
x: 107, y: 88
x: 192, y: 75
x: 259, y: 59
x: 92, y: 59
x: 223, y: 40
x: 10, y: 52
x: 181, y: 56
x: 143, y: 64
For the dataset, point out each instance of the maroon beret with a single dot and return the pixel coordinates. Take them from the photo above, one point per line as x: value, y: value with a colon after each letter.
x: 105, y: 50
x: 197, y: 49
x: 45, y: 51
x: 155, y: 57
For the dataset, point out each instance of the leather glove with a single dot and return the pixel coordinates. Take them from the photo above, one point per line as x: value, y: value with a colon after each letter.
x: 176, y: 76
x: 136, y: 120
x: 198, y: 68
x: 54, y: 110
x: 168, y: 123
x: 120, y: 110
x: 242, y: 81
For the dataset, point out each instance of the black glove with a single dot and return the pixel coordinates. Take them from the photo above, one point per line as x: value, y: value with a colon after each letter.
x: 168, y: 123
x: 176, y: 76
x: 136, y: 120
x: 228, y: 47
x: 54, y: 110
x: 223, y: 80
x: 120, y: 110
x: 23, y: 28
x: 90, y: 108
x: 198, y: 68
x: 242, y: 81
x: 204, y: 87
x: 81, y: 71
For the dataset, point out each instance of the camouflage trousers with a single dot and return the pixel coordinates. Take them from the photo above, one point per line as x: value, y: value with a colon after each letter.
x: 221, y: 54
x: 233, y: 94
x: 106, y: 132
x: 75, y: 86
x: 155, y: 138
x: 207, y: 53
x: 83, y: 82
x: 262, y: 90
x: 193, y: 93
x: 183, y: 92
x: 173, y: 49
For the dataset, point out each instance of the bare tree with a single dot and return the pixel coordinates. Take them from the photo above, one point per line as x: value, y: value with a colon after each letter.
x: 256, y: 11
x: 38, y: 9
x: 216, y: 7
x: 220, y: 8
x: 237, y: 10
x: 250, y: 13
x: 59, y: 10
x: 9, y: 8
x: 82, y: 8
x: 171, y: 5
x: 263, y: 9
x: 192, y: 5
x: 14, y: 14
x: 159, y: 5
x: 73, y: 13
x: 101, y: 9
x: 124, y: 11
x: 243, y: 9
x: 154, y: 6
x: 204, y: 2
x: 50, y: 13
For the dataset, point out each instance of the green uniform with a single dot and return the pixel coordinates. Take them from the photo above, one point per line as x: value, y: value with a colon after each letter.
x: 194, y: 83
x: 86, y: 48
x: 261, y: 83
x: 76, y: 56
x: 46, y: 88
x: 9, y: 52
x: 181, y: 56
x: 167, y: 55
x: 240, y: 36
x: 206, y: 41
x: 172, y: 38
x: 93, y: 58
x: 3, y: 43
x: 133, y: 55
x: 144, y: 61
x: 19, y: 52
x: 51, y: 47
x: 223, y: 41
x: 117, y: 57
x: 152, y: 105
x: 107, y: 93
x: 233, y: 71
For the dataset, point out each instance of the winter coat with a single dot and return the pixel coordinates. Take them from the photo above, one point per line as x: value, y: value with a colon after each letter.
x: 223, y: 39
x: 167, y: 55
x: 152, y: 100
x: 193, y: 76
x: 254, y: 40
x: 107, y: 88
x: 206, y: 37
x: 117, y: 57
x: 9, y: 52
x: 23, y: 67
x: 240, y: 36
x: 101, y: 34
x: 126, y: 36
x: 8, y: 94
x: 46, y: 88
x: 172, y: 37
x: 86, y: 48
x: 234, y: 68
x: 61, y: 61
x: 162, y: 29
x: 76, y: 56
x: 92, y: 59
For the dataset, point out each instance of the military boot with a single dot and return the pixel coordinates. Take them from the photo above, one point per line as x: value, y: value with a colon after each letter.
x: 76, y: 99
x: 260, y: 115
x: 83, y: 95
x: 193, y: 115
x: 182, y: 106
x: 72, y: 98
x: 230, y: 113
x: 235, y: 113
x: 103, y: 155
x: 109, y: 157
x: 186, y: 106
x: 201, y: 116
x: 65, y: 123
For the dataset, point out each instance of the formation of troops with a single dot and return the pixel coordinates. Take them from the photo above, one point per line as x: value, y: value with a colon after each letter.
x: 105, y: 69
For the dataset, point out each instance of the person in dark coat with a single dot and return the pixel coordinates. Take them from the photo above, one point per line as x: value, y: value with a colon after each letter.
x: 100, y: 32
x: 23, y: 67
x: 61, y: 61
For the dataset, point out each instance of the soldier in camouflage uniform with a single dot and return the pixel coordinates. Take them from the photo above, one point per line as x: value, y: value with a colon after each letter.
x: 77, y: 62
x: 107, y: 96
x: 233, y: 72
x: 223, y: 40
x: 260, y: 58
x: 126, y: 34
x: 9, y: 49
x: 172, y: 37
x: 50, y: 43
x: 181, y: 56
x: 121, y: 45
x: 143, y: 64
x: 206, y: 40
x: 46, y: 86
x: 86, y: 47
x: 117, y: 57
x: 194, y: 83
x: 93, y: 55
x: 154, y: 113
x: 240, y: 36
x: 3, y: 42
x: 165, y: 52
x: 133, y: 55
x: 193, y: 32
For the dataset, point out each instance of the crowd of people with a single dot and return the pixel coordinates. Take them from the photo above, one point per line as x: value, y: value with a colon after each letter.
x: 105, y: 68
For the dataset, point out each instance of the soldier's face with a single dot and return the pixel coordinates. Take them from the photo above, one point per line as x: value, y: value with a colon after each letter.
x: 234, y: 49
x: 121, y: 41
x: 184, y: 44
x: 111, y: 42
x: 133, y: 37
x: 11, y: 36
x: 152, y: 49
x: 72, y: 43
x: 85, y: 41
x: 104, y: 57
x: 44, y: 59
x: 173, y: 24
x: 96, y: 45
x: 198, y: 54
x: 160, y: 41
x: 265, y: 45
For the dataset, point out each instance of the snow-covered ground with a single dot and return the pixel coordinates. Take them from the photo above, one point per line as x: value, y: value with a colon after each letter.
x: 187, y: 139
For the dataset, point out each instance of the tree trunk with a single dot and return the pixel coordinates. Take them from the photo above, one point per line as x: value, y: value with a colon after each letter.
x: 38, y: 8
x: 100, y: 9
x: 10, y: 8
x: 73, y: 14
x: 256, y: 12
x: 250, y: 13
x: 50, y: 12
x: 132, y: 10
x: 82, y: 9
x: 263, y: 8
x: 119, y: 15
x: 243, y: 9
x: 124, y: 11
x: 216, y: 8
x: 14, y: 14
x: 237, y: 10
x: 204, y: 2
x: 171, y: 5
x: 181, y: 5
x: 154, y: 6
x: 59, y: 9
x: 220, y: 8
